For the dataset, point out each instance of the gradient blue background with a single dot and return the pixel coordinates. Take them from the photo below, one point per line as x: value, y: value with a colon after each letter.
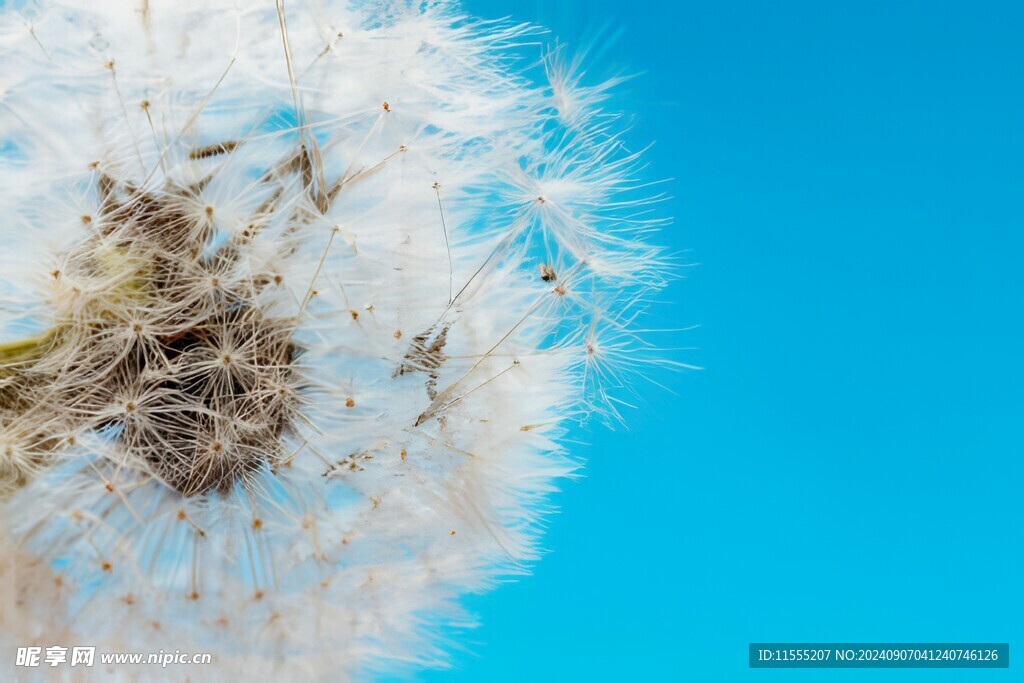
x: 848, y: 175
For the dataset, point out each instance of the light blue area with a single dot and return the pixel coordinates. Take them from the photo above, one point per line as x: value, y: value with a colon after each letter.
x: 848, y: 466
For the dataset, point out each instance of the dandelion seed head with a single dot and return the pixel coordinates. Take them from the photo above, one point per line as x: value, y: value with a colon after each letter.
x: 299, y: 309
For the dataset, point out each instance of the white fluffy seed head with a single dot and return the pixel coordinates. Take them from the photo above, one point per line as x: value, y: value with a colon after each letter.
x: 296, y: 325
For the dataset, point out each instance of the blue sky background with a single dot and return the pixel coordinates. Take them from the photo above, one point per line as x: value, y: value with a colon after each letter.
x: 848, y: 175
